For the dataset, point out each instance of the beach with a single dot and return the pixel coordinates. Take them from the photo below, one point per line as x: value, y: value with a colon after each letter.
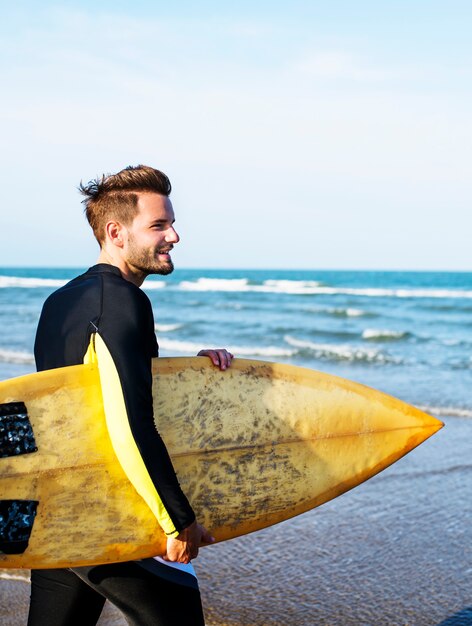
x: 395, y: 551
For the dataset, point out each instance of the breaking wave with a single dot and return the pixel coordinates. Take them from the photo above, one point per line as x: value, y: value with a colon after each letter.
x: 330, y: 352
x: 187, y: 347
x: 374, y: 334
x: 447, y: 411
x: 16, y: 356
x: 308, y: 287
x: 30, y: 283
x: 167, y: 328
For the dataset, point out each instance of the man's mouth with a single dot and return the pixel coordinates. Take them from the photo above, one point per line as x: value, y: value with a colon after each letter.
x: 164, y: 252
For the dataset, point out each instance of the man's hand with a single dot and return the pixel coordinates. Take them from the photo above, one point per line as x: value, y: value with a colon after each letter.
x: 221, y: 357
x: 184, y: 547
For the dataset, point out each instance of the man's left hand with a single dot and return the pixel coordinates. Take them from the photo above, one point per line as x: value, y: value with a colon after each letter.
x: 220, y: 357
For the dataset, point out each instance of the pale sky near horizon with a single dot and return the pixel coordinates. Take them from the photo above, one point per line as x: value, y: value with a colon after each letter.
x: 303, y: 134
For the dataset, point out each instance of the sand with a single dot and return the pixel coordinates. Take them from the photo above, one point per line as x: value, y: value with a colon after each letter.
x: 395, y: 551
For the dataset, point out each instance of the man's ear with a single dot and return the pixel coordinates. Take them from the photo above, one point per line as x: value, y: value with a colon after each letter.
x: 114, y: 233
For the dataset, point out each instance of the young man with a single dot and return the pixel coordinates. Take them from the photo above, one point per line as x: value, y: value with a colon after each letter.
x: 133, y: 221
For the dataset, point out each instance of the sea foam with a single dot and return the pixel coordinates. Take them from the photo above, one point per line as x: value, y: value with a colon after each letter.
x: 167, y: 328
x: 15, y: 356
x: 30, y: 283
x: 342, y: 352
x: 289, y: 287
x: 215, y: 284
x: 152, y: 285
x: 447, y: 411
x: 308, y: 287
x: 190, y: 348
x: 375, y: 334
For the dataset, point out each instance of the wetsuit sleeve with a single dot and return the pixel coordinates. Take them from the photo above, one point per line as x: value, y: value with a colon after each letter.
x: 126, y: 325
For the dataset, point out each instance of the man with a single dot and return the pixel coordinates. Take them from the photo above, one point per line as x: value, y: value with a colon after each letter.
x: 133, y: 221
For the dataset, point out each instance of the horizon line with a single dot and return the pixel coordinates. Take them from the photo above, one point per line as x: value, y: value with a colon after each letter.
x: 258, y: 269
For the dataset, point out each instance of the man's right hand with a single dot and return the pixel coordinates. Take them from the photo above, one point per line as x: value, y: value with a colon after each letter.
x: 184, y: 547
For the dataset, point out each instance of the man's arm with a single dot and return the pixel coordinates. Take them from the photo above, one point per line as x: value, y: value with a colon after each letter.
x: 127, y: 327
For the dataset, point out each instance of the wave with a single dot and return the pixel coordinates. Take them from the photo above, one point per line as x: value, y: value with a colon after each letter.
x: 152, y: 285
x: 216, y: 284
x: 303, y: 287
x: 167, y: 328
x: 290, y: 287
x: 30, y: 283
x: 330, y: 352
x: 374, y: 334
x: 349, y: 312
x: 15, y: 356
x: 187, y: 347
x: 232, y: 306
x: 336, y: 335
x: 446, y: 411
x: 341, y: 312
x: 399, y: 293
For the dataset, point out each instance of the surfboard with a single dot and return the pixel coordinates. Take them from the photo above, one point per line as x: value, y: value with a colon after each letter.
x: 252, y: 446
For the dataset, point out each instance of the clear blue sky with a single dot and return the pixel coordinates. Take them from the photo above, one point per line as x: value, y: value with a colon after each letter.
x: 302, y: 134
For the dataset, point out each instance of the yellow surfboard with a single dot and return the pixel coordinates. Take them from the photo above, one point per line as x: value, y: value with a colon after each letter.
x: 252, y: 446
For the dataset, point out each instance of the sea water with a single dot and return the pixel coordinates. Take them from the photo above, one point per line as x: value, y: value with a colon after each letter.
x: 396, y: 550
x: 407, y: 333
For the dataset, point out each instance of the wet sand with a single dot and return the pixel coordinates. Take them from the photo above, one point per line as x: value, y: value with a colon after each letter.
x: 396, y: 551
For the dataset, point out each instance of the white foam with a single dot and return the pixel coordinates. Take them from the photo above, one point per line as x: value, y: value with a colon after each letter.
x: 375, y: 334
x: 167, y: 328
x: 293, y: 287
x: 349, y: 312
x: 14, y: 356
x: 397, y: 293
x: 447, y: 411
x: 152, y: 285
x: 30, y: 283
x: 307, y: 287
x: 340, y: 352
x: 215, y: 284
x: 355, y: 313
x: 290, y: 287
x: 187, y: 347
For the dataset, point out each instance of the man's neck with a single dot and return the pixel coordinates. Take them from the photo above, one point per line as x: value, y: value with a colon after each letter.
x: 136, y: 277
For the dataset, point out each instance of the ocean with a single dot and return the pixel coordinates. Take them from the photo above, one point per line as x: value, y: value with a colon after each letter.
x: 407, y: 333
x: 394, y: 551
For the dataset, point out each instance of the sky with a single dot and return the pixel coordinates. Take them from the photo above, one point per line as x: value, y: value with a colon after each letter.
x: 302, y: 134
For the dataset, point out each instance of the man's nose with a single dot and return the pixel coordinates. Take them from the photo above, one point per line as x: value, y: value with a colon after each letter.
x: 172, y: 236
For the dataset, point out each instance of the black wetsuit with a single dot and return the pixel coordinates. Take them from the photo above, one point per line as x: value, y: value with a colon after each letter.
x: 146, y: 591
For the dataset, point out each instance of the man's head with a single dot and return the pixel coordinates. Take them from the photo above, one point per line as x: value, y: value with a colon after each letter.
x: 132, y: 219
x: 115, y: 196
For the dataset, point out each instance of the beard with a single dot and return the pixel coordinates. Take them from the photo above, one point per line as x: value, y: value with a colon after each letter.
x: 144, y: 260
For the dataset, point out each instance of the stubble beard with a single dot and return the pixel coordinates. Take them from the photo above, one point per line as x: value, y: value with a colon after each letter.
x: 145, y: 261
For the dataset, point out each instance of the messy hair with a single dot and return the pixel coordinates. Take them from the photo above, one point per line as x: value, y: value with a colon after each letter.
x: 115, y: 196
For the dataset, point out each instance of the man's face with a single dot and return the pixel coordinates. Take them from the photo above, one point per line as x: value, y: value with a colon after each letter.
x: 151, y: 236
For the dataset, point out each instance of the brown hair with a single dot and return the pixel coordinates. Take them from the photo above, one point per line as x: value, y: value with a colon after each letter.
x: 115, y: 196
